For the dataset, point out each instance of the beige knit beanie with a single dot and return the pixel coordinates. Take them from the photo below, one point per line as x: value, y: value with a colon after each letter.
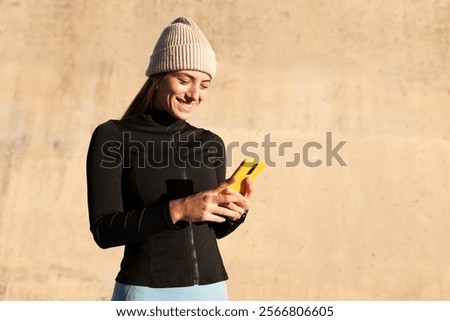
x: 182, y: 46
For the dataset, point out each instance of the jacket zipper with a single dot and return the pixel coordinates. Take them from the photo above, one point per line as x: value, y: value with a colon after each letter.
x: 194, y: 254
x: 190, y: 227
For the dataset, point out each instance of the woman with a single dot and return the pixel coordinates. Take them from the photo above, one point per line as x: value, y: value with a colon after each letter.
x: 155, y: 182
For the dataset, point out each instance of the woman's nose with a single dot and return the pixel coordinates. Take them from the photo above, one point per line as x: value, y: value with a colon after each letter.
x: 193, y: 93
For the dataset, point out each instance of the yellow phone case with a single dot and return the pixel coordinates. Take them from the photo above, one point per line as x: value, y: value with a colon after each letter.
x: 249, y: 167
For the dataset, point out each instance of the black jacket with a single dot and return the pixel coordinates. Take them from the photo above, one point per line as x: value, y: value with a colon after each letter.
x: 134, y: 167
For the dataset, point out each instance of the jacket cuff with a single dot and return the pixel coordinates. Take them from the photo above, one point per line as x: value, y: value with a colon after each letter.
x: 168, y: 219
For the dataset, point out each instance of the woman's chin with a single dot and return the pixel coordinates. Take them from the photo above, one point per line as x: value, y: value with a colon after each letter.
x: 182, y: 114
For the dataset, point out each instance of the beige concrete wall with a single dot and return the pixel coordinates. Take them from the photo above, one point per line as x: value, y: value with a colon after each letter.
x: 374, y: 73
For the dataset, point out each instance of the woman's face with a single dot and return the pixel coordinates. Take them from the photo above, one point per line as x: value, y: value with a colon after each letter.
x: 180, y: 92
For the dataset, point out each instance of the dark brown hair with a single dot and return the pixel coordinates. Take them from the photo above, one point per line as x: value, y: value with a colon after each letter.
x: 143, y: 100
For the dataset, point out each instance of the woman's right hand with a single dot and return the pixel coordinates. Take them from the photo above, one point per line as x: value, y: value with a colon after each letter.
x: 206, y: 205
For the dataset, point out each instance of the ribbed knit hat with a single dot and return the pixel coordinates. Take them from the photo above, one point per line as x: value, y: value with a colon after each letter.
x: 182, y: 46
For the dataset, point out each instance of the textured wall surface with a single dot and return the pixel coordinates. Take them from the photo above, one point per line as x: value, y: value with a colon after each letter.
x: 374, y: 73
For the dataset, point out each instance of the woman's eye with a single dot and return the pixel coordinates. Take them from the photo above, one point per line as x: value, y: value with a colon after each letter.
x: 184, y: 81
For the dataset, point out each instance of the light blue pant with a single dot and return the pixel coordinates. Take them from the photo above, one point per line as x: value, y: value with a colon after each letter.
x: 209, y: 292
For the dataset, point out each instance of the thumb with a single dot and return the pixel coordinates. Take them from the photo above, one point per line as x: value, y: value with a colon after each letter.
x: 222, y: 186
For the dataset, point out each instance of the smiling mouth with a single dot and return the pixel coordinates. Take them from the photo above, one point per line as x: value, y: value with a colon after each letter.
x: 186, y: 105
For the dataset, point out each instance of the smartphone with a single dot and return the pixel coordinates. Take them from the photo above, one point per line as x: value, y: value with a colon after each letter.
x: 249, y: 167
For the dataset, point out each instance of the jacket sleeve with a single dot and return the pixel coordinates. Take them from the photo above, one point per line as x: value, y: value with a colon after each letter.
x: 225, y: 228
x: 109, y: 223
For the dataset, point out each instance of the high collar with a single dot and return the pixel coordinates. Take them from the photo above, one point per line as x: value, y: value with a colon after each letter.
x: 164, y: 119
